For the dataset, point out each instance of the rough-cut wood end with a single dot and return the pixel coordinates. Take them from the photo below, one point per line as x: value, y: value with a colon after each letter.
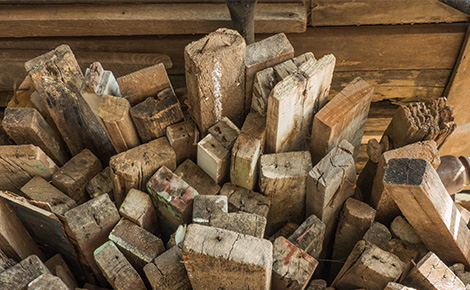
x: 225, y: 131
x: 245, y: 200
x: 268, y: 49
x: 197, y: 178
x: 113, y: 109
x: 47, y: 281
x: 405, y: 171
x: 285, y: 165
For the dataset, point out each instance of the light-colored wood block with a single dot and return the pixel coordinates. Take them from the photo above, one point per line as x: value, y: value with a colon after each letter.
x: 21, y: 274
x: 245, y: 200
x: 240, y: 222
x: 47, y: 282
x: 197, y: 178
x: 138, y: 208
x: 183, y: 137
x: 213, y: 158
x: 396, y: 286
x: 283, y: 69
x: 263, y: 84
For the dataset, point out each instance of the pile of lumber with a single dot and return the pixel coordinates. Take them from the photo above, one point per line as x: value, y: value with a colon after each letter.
x: 245, y: 180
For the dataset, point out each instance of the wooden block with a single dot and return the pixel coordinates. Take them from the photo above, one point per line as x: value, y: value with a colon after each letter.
x: 139, y: 246
x: 21, y: 274
x: 292, y: 267
x: 197, y: 178
x: 5, y: 261
x: 262, y: 54
x: 225, y: 131
x: 430, y: 273
x: 134, y: 167
x: 100, y: 81
x: 117, y: 270
x: 355, y: 219
x: 240, y: 222
x: 215, y: 88
x: 183, y: 137
x: 283, y: 69
x: 207, y: 206
x: 286, y: 231
x: 303, y: 58
x: 368, y: 267
x: 378, y: 234
x: 386, y: 207
x: 404, y: 231
x: 27, y: 126
x: 423, y: 200
x: 22, y: 95
x: 15, y: 240
x: 316, y: 284
x: 40, y: 190
x: 167, y: 271
x: 217, y: 258
x: 114, y: 112
x: 283, y: 178
x: 18, y: 163
x: 173, y: 199
x: 73, y: 177
x: 152, y: 116
x: 396, y: 286
x: 138, y: 208
x: 329, y: 184
x: 244, y: 200
x: 405, y: 251
x: 59, y: 268
x: 343, y: 118
x: 100, y: 184
x: 47, y: 282
x: 88, y: 226
x: 264, y: 82
x: 213, y: 158
x: 309, y: 236
x: 247, y: 151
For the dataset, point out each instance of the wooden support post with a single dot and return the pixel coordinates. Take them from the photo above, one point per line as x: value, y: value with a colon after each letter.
x: 343, y: 118
x: 152, y: 116
x: 217, y: 258
x: 114, y: 112
x: 292, y: 267
x: 197, y: 178
x: 244, y: 200
x: 134, y: 167
x: 262, y: 54
x: 225, y: 131
x: 40, y: 190
x: 21, y: 274
x: 240, y: 222
x: 183, y: 137
x: 138, y: 208
x: 88, y: 232
x: 283, y: 178
x: 368, y: 267
x: 100, y: 81
x: 423, y: 200
x: 216, y: 88
x: 47, y: 281
x: 309, y: 236
x: 173, y: 199
x: 117, y: 270
x: 167, y: 271
x: 384, y: 204
x: 431, y: 274
x: 73, y: 177
x: 27, y: 126
x: 247, y: 151
x: 139, y: 85
x: 19, y: 163
x: 139, y: 246
x: 206, y: 206
x: 100, y: 184
x: 213, y: 158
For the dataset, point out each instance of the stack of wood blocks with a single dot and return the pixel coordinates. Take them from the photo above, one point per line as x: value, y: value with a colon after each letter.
x: 245, y: 181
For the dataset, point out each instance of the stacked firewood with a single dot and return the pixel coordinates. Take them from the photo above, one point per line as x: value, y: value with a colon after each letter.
x: 245, y: 181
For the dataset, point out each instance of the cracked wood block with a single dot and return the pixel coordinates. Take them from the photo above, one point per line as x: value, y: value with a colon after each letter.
x: 147, y: 82
x: 343, y: 118
x: 240, y: 222
x: 88, y: 226
x: 39, y: 189
x: 245, y: 200
x: 173, y: 199
x: 292, y: 267
x: 216, y: 258
x: 183, y: 137
x: 117, y: 270
x: 430, y: 273
x: 139, y: 209
x: 59, y: 268
x: 27, y: 126
x: 19, y: 163
x: 197, y: 178
x: 18, y: 277
x: 207, y: 206
x: 284, y: 69
x: 115, y: 114
x: 225, y: 131
x: 133, y: 168
x: 47, y: 282
x: 100, y: 184
x: 422, y: 198
x: 215, y: 77
x: 303, y: 58
x: 262, y: 54
x: 386, y: 208
x: 247, y: 151
x: 309, y: 236
x: 368, y: 267
x: 167, y: 271
x: 283, y: 178
x: 100, y: 81
x: 213, y: 158
x: 139, y: 246
x: 73, y: 177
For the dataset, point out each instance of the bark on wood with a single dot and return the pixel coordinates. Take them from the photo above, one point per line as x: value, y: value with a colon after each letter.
x: 47, y: 282
x: 183, y: 137
x: 213, y: 158
x: 138, y: 208
x: 206, y: 206
x: 18, y: 276
x: 240, y: 222
x: 197, y: 178
x: 244, y: 200
x: 309, y: 236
